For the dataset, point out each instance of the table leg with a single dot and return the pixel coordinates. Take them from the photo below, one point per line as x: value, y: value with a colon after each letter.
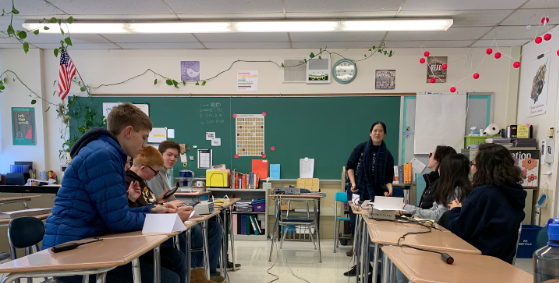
x: 365, y: 252
x: 224, y: 258
x: 375, y: 263
x: 102, y: 278
x: 385, y: 268
x: 206, y: 256
x: 356, y: 247
x: 85, y: 279
x: 392, y: 272
x: 188, y: 256
x: 25, y: 205
x: 157, y: 265
x: 136, y: 274
x: 233, y: 237
x: 278, y: 205
x: 316, y: 229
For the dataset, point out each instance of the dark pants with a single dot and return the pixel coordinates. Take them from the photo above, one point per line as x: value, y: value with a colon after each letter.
x: 173, y: 269
x: 445, y: 220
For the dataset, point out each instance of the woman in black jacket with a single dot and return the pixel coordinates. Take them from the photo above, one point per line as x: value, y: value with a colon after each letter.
x: 435, y: 159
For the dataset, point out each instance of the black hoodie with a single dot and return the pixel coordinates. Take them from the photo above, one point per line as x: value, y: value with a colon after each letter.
x: 489, y: 219
x: 88, y: 137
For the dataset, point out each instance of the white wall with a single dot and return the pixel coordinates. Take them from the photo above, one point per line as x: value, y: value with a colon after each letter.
x: 542, y: 122
x: 97, y: 67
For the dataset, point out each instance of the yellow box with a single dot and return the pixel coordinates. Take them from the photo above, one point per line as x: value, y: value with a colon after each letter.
x: 311, y: 184
x: 216, y: 179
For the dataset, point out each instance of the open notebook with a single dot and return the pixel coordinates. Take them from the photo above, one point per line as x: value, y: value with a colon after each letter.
x: 24, y: 212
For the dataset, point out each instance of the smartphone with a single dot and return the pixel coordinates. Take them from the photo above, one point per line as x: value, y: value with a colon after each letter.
x: 172, y: 192
x: 193, y: 204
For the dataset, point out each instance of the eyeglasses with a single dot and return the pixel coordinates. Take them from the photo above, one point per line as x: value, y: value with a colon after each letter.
x: 430, y: 154
x: 154, y: 172
x: 472, y: 163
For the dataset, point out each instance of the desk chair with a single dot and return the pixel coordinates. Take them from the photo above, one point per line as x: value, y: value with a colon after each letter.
x: 517, y: 242
x: 307, y: 221
x: 25, y: 233
x: 339, y: 197
x: 397, y: 191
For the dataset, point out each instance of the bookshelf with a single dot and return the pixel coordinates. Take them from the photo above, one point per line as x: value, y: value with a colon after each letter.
x: 246, y: 195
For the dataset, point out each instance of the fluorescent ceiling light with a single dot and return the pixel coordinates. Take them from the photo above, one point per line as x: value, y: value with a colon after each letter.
x: 79, y: 27
x: 393, y: 25
x: 286, y: 26
x: 169, y: 27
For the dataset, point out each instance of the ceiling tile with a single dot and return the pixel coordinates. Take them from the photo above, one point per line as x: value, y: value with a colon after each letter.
x: 225, y: 6
x: 243, y: 37
x: 247, y: 45
x: 56, y: 38
x: 501, y: 43
x: 92, y: 46
x: 463, y: 18
x: 124, y: 7
x: 341, y: 6
x: 450, y: 34
x: 412, y: 5
x: 333, y: 45
x: 341, y: 15
x: 542, y: 4
x: 430, y: 43
x: 161, y: 45
x: 532, y: 17
x: 337, y: 36
x: 12, y: 46
x: 146, y: 38
x: 513, y: 32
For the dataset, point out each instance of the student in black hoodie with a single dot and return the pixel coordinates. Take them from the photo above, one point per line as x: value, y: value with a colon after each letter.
x: 491, y: 215
x: 431, y: 179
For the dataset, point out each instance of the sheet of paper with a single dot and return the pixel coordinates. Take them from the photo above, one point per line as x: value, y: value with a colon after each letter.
x: 417, y: 166
x: 108, y: 106
x: 204, y: 158
x: 157, y: 135
x: 171, y: 133
x: 355, y: 198
x: 162, y: 223
x: 194, y: 214
x: 275, y: 171
x: 216, y: 142
x: 247, y: 80
x: 183, y: 157
x: 388, y: 203
x: 210, y: 136
x: 143, y: 106
x: 306, y: 168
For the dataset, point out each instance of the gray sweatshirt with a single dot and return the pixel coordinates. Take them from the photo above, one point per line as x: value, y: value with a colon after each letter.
x: 160, y: 183
x: 435, y: 212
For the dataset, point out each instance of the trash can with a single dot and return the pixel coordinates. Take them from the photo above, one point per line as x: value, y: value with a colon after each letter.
x: 527, y: 243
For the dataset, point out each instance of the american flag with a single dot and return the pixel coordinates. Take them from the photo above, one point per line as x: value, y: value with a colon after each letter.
x: 66, y: 72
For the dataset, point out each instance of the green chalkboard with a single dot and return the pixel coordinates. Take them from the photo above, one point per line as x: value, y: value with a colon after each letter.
x: 324, y: 128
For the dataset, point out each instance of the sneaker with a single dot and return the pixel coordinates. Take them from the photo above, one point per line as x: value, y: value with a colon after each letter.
x: 230, y: 266
x: 349, y: 253
x: 220, y: 279
x: 353, y: 271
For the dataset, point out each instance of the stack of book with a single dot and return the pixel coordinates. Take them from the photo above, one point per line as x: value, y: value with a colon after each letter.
x: 403, y: 174
x: 239, y: 180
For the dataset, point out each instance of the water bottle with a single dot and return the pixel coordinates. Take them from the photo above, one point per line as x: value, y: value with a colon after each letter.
x: 546, y: 259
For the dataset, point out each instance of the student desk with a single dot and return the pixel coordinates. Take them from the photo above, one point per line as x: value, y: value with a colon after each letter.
x: 203, y: 219
x: 227, y: 216
x: 303, y: 197
x: 95, y: 258
x: 6, y: 222
x: 425, y: 267
x: 18, y: 199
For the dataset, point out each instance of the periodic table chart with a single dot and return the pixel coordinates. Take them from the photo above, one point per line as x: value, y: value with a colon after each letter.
x: 249, y: 134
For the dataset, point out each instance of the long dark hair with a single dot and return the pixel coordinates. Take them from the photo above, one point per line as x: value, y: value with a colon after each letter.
x: 378, y: 123
x: 441, y: 152
x: 495, y: 165
x: 455, y: 169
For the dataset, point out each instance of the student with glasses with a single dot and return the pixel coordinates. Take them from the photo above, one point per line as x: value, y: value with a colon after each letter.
x: 431, y: 179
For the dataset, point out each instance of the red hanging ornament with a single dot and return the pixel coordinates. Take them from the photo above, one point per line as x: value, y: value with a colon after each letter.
x: 476, y: 76
x: 489, y: 51
x: 516, y: 64
x: 545, y: 20
x: 433, y: 80
x: 452, y: 89
x: 236, y: 156
x: 264, y: 114
x: 426, y: 53
x: 263, y: 155
x: 444, y: 66
x: 272, y: 148
x: 234, y: 115
x: 497, y: 55
x: 538, y: 40
x: 422, y: 60
x: 547, y: 36
x: 557, y: 52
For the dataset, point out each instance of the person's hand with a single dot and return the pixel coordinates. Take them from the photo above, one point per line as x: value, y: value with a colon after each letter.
x: 184, y: 212
x: 176, y: 203
x: 353, y: 189
x: 387, y: 194
x: 455, y: 203
x: 160, y: 209
x: 171, y: 206
x: 134, y: 191
x: 403, y: 205
x: 162, y: 198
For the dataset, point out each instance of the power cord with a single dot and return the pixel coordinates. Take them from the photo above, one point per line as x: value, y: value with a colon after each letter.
x: 444, y: 256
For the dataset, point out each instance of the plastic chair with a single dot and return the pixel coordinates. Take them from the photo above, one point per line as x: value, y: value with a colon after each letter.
x: 340, y: 197
x: 25, y: 233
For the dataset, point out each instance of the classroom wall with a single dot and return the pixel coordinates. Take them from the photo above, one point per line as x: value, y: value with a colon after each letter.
x: 548, y: 183
x: 101, y: 66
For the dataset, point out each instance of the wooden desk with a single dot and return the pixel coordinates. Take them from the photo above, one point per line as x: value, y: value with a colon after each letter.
x: 229, y: 204
x: 425, y: 267
x: 18, y: 199
x: 5, y: 222
x: 95, y: 258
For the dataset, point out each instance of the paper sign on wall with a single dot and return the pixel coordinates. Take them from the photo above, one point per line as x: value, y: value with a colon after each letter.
x: 306, y: 168
x: 247, y: 80
x: 275, y: 171
x: 216, y: 142
x: 157, y: 135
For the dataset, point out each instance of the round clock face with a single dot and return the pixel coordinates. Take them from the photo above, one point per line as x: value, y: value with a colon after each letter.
x: 345, y: 71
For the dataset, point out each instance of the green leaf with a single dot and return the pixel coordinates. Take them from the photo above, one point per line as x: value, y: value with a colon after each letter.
x: 2, y: 87
x: 282, y: 65
x: 169, y: 82
x: 320, y: 57
x: 305, y: 61
x: 370, y: 49
x: 40, y: 21
x: 155, y: 82
x: 36, y: 32
x: 68, y: 41
x: 82, y: 89
x: 21, y: 34
x: 374, y: 47
x: 46, y: 28
x: 47, y: 109
x: 204, y: 83
x: 70, y: 20
x: 385, y: 52
x: 26, y: 47
x: 10, y: 30
x: 311, y: 55
x: 61, y: 31
x: 183, y: 83
x: 197, y: 83
x: 56, y: 52
x: 33, y: 101
x: 5, y: 79
x: 59, y: 21
x: 175, y: 83
x: 15, y: 11
x: 53, y: 20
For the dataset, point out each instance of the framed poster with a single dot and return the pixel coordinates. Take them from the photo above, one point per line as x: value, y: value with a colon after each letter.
x: 539, y: 74
x: 385, y: 79
x: 23, y: 126
x: 435, y: 69
x: 190, y: 71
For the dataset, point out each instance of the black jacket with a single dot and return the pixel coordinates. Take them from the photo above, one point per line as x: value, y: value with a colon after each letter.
x: 489, y: 219
x: 146, y: 197
x: 428, y: 196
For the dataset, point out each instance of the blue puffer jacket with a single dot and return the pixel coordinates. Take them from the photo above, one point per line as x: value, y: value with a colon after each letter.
x: 92, y: 199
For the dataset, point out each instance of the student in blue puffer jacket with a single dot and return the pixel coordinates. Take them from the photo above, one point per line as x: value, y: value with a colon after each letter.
x: 92, y: 200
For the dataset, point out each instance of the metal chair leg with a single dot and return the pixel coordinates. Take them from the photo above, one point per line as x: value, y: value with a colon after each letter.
x: 284, y: 234
x: 317, y: 232
x: 310, y: 234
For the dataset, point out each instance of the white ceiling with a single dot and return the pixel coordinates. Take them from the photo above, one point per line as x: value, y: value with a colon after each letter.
x: 477, y: 23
